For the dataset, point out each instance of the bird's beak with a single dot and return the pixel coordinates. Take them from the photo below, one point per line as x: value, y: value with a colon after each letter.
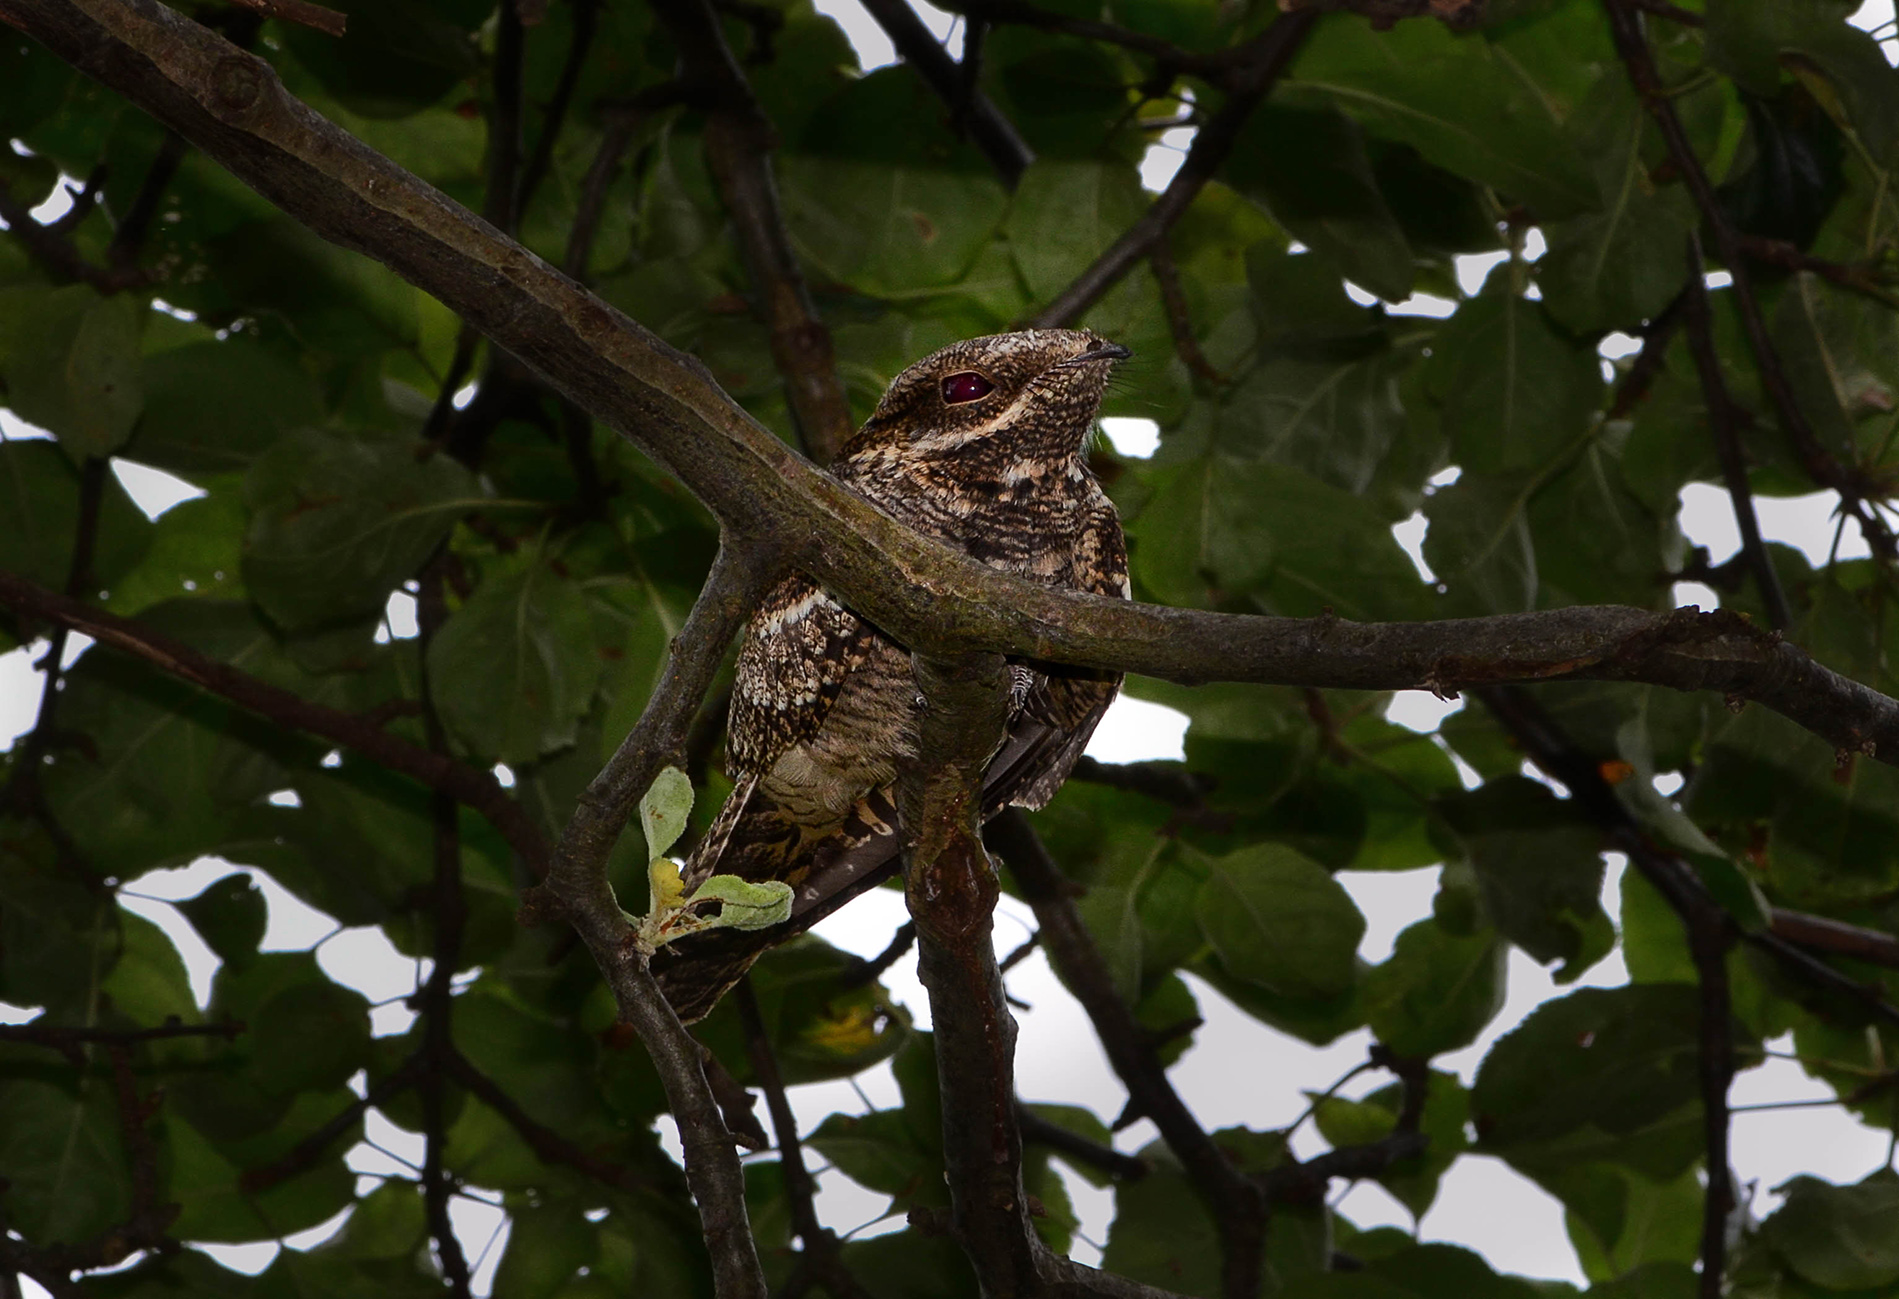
x: 1103, y: 350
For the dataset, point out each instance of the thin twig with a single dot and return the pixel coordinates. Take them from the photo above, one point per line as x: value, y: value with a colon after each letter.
x: 548, y: 1146
x: 1723, y: 424
x: 822, y: 1258
x: 1710, y: 933
x: 738, y: 145
x: 1820, y: 463
x: 1836, y: 937
x: 577, y: 888
x: 328, y: 21
x: 1179, y: 319
x: 1234, y: 1202
x: 307, y: 1152
x: 1252, y: 79
x: 988, y: 128
x: 1657, y: 334
x: 469, y: 785
x: 1039, y: 1131
x: 864, y: 972
x: 586, y: 22
x: 449, y: 916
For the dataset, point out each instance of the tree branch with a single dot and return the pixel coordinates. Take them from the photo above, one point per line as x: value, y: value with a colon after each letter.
x: 328, y: 21
x: 1821, y: 464
x: 233, y: 108
x: 1710, y: 933
x: 477, y: 789
x: 586, y: 22
x: 1723, y: 421
x: 1039, y: 1131
x: 548, y: 1146
x: 738, y: 144
x: 256, y: 1181
x: 449, y: 914
x: 1836, y: 938
x: 1251, y: 79
x: 974, y: 111
x: 950, y: 885
x: 822, y: 1261
x: 54, y: 250
x: 577, y: 888
x: 1234, y: 1202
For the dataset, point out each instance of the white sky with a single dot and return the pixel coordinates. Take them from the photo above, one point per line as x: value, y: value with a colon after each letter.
x: 1240, y: 1071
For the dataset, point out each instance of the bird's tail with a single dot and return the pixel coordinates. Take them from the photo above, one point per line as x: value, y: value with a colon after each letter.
x: 825, y: 865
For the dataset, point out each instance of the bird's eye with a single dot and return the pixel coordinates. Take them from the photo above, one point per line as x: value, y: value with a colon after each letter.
x: 967, y: 386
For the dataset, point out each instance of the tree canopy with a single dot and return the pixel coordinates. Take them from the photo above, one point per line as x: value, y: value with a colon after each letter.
x: 579, y: 433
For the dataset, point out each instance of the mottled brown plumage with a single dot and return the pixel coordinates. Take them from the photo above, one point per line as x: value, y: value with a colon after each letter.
x: 983, y: 445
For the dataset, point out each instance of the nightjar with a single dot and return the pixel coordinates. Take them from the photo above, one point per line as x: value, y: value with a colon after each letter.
x: 984, y: 446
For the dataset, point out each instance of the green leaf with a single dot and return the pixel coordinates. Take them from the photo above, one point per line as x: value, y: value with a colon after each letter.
x: 513, y: 670
x: 1481, y: 547
x: 878, y: 1151
x: 229, y: 914
x: 1463, y: 105
x: 664, y: 809
x: 66, y: 1167
x: 1438, y: 990
x: 1620, y: 1221
x: 1615, y: 267
x: 1278, y: 919
x: 39, y: 516
x: 394, y: 57
x: 1601, y: 1073
x: 337, y: 524
x: 1219, y: 528
x: 1515, y: 393
x: 549, y: 1244
x: 71, y: 363
x: 1841, y: 1237
x: 1310, y: 169
x: 260, y: 395
x: 882, y: 197
x: 1092, y: 202
x: 1539, y: 865
x: 744, y: 904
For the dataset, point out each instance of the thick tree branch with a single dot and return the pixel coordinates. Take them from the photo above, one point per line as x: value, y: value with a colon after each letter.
x: 1235, y: 1202
x: 232, y: 107
x: 1821, y: 463
x: 738, y: 145
x: 477, y: 789
x: 1723, y: 422
x: 975, y: 112
x: 1248, y: 83
x: 950, y: 885
x: 577, y: 887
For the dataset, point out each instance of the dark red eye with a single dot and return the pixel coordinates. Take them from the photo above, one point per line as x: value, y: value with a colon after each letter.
x: 967, y: 386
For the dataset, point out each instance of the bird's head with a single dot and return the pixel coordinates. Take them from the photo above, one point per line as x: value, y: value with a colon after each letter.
x: 1029, y: 395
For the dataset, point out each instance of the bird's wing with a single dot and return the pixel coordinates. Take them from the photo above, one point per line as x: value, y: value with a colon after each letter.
x: 798, y: 649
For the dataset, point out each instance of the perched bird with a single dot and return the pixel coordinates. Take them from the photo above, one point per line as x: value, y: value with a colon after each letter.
x: 983, y: 445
